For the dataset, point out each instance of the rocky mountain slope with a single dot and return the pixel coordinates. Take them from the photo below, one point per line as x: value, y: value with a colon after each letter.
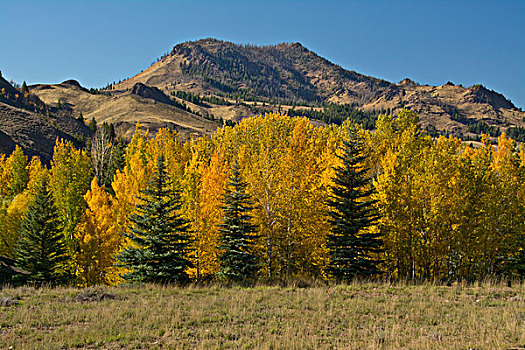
x: 290, y: 74
x: 27, y: 121
x: 200, y: 85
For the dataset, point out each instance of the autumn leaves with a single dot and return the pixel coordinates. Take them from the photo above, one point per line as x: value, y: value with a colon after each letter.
x: 446, y: 210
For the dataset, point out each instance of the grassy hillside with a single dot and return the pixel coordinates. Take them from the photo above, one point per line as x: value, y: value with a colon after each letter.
x: 143, y: 104
x: 356, y: 316
x: 200, y: 85
x: 290, y: 74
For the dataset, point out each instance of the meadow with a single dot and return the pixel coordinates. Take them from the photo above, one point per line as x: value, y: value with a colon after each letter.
x: 360, y: 315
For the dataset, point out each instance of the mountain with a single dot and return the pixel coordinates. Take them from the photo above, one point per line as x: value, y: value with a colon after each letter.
x: 28, y: 122
x: 290, y: 74
x: 198, y: 85
x: 141, y: 103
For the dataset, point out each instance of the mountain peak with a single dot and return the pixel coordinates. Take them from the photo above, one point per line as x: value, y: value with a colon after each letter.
x: 290, y: 74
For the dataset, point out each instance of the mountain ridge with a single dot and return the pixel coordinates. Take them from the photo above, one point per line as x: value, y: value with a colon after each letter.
x: 291, y: 74
x: 199, y: 85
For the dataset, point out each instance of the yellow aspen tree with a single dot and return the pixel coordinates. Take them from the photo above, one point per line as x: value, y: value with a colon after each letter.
x: 18, y: 172
x: 303, y: 223
x: 5, y: 179
x: 168, y: 143
x: 38, y: 173
x: 13, y: 210
x: 483, y: 222
x: 398, y: 187
x: 191, y: 202
x: 129, y: 181
x: 262, y: 163
x: 11, y: 219
x: 515, y: 264
x: 206, y: 233
x: 508, y: 204
x: 69, y: 182
x: 98, y: 240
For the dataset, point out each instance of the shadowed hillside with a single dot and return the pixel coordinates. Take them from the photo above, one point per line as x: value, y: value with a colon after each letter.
x: 27, y: 121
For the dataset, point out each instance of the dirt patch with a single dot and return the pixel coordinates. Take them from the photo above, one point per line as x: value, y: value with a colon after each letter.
x: 94, y: 294
x: 9, y: 301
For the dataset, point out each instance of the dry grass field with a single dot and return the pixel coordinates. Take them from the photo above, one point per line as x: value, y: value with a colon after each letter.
x: 355, y: 316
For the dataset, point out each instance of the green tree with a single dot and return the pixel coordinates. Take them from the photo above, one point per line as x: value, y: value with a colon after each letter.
x: 93, y: 124
x: 69, y: 181
x: 41, y: 250
x: 237, y: 233
x: 351, y: 244
x: 159, y: 235
x: 24, y: 87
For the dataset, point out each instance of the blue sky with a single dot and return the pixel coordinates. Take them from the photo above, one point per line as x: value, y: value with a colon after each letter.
x: 431, y: 42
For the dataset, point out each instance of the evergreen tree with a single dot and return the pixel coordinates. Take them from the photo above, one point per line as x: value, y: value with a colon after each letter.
x: 116, y: 162
x: 237, y: 233
x: 159, y: 235
x: 24, y: 87
x: 349, y: 243
x: 41, y: 250
x: 93, y: 124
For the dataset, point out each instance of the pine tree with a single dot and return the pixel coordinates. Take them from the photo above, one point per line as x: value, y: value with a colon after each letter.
x: 93, y: 124
x: 41, y: 250
x: 237, y: 233
x: 350, y: 244
x: 159, y: 235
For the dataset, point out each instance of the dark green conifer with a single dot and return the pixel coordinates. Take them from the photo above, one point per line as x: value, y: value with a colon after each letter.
x: 41, y: 250
x: 92, y: 125
x: 351, y: 246
x: 237, y: 233
x: 116, y: 162
x: 159, y: 235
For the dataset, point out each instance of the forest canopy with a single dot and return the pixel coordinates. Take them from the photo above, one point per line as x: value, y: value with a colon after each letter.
x: 445, y: 210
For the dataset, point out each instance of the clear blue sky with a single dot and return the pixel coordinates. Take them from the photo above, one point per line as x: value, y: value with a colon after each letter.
x: 431, y: 42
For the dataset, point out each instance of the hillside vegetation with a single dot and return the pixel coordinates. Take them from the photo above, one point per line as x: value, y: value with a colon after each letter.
x: 446, y: 211
x: 290, y: 74
x: 142, y: 104
x: 200, y: 85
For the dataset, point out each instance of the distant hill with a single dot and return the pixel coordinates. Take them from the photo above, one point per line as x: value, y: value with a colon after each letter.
x: 290, y: 74
x: 144, y: 104
x: 199, y: 85
x: 285, y: 72
x: 27, y: 121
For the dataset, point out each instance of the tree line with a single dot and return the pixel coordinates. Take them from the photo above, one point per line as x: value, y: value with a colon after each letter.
x: 271, y: 197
